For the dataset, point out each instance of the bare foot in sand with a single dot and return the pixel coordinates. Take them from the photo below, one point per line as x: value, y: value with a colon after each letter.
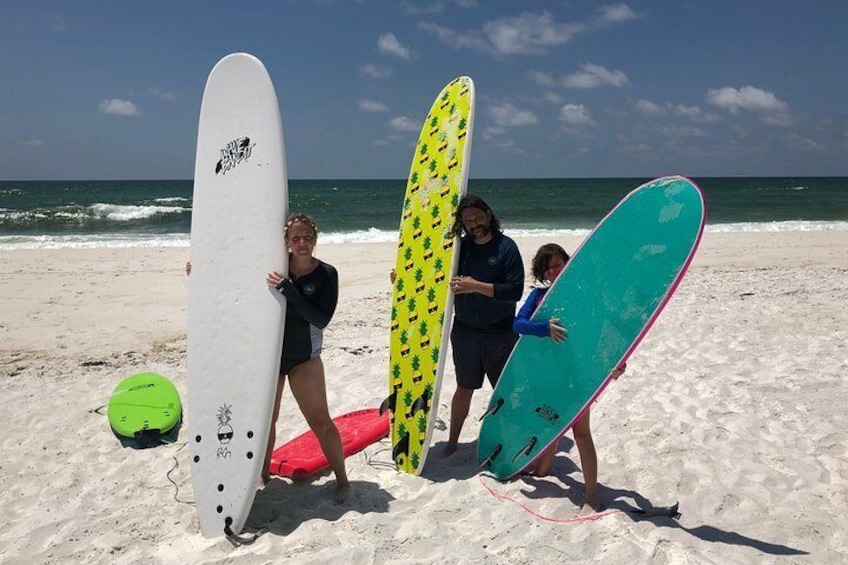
x: 449, y: 450
x: 342, y: 492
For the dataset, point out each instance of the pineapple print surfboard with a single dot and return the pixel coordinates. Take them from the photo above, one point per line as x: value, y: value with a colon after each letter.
x: 426, y: 259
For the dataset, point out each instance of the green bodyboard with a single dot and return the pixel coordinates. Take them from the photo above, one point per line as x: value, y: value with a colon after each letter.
x: 607, y: 298
x: 144, y: 404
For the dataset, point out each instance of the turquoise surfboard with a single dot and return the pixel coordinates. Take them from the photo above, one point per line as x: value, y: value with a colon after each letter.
x: 607, y: 298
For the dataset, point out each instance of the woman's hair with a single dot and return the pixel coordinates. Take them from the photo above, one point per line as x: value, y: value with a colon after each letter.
x: 301, y: 219
x: 472, y: 201
x: 543, y: 259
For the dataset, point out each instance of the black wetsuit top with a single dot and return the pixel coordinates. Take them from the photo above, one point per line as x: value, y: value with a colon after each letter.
x: 312, y: 301
x: 496, y: 261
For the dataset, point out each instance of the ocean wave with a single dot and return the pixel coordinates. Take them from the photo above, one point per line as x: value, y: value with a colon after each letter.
x: 129, y: 213
x: 782, y: 188
x: 99, y: 241
x: 64, y: 215
x: 172, y: 199
x: 372, y: 235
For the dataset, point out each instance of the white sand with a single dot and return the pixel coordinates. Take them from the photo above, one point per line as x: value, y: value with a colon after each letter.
x: 734, y: 405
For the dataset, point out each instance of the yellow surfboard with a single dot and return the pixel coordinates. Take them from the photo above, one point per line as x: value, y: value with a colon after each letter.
x: 426, y: 260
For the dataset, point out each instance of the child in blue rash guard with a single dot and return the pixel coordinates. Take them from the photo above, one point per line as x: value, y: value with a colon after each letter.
x: 548, y: 263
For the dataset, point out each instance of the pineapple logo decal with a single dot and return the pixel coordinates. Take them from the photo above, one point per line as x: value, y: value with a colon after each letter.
x: 425, y: 338
x: 438, y: 267
x: 433, y: 172
x: 404, y: 343
x: 225, y: 430
x: 434, y: 126
x: 419, y: 281
x: 413, y: 188
x: 401, y: 294
x: 445, y: 101
x: 443, y: 142
x: 437, y: 219
x: 413, y: 314
x: 428, y: 251
x: 407, y: 400
x: 416, y: 226
x: 432, y: 306
x: 407, y: 254
x: 424, y: 157
x: 416, y: 378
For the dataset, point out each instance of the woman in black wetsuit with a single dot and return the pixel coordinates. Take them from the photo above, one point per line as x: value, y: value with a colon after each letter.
x: 312, y: 291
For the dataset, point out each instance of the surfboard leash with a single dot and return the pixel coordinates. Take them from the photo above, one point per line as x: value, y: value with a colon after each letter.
x: 173, y: 482
x: 654, y: 511
x: 505, y: 498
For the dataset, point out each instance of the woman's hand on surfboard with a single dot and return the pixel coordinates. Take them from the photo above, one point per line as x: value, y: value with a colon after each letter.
x: 557, y: 332
x: 274, y: 278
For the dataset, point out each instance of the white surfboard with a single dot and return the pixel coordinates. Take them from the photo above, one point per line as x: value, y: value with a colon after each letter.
x: 235, y: 321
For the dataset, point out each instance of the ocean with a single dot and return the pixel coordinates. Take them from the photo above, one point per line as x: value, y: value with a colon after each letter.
x: 87, y: 214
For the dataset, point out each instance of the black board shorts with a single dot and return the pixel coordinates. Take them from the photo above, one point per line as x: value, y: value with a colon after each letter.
x: 477, y: 353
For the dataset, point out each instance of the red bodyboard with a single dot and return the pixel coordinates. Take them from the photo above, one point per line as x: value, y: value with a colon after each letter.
x: 302, y: 456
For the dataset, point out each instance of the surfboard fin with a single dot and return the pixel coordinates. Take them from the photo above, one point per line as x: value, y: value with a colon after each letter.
x: 493, y: 409
x: 526, y: 449
x: 421, y: 403
x: 389, y: 403
x: 492, y: 456
x: 651, y: 511
x: 401, y: 447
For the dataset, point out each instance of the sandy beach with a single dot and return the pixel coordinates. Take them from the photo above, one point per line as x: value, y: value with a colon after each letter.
x: 734, y: 406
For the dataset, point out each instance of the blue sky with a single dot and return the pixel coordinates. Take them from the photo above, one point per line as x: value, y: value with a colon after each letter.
x: 112, y: 90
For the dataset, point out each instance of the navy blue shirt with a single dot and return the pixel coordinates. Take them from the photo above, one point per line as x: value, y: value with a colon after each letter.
x: 496, y: 261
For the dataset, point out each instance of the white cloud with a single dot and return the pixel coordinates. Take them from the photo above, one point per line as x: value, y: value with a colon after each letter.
x: 529, y: 33
x: 389, y: 45
x: 402, y: 123
x: 768, y: 107
x: 491, y: 132
x: 575, y: 115
x: 616, y: 14
x: 118, y: 107
x: 372, y: 106
x: 509, y: 115
x: 695, y: 113
x: 457, y: 40
x: 33, y: 143
x: 374, y: 71
x: 593, y: 76
x: 411, y: 9
x: 648, y: 108
x: 552, y: 97
x: 541, y: 78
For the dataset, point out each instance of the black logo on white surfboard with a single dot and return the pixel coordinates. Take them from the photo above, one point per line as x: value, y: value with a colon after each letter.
x: 233, y: 153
